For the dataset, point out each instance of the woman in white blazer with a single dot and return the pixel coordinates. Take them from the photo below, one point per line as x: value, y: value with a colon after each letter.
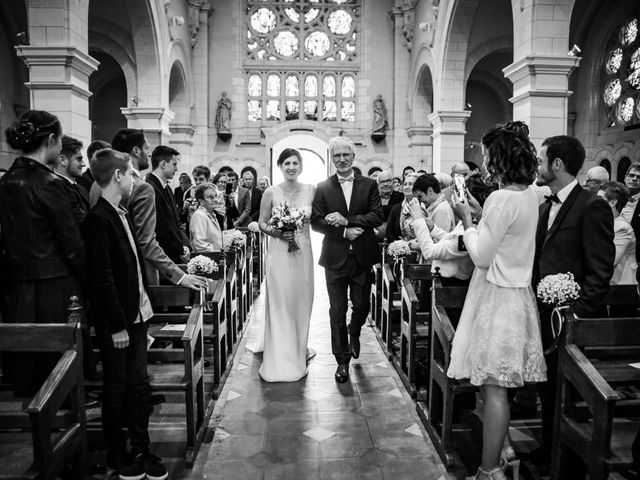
x: 625, y: 263
x: 205, y: 234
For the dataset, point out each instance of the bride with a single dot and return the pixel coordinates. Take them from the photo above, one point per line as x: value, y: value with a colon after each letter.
x: 288, y: 284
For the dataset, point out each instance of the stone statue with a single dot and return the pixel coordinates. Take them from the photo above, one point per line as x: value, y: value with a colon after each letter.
x: 223, y: 114
x: 380, y: 123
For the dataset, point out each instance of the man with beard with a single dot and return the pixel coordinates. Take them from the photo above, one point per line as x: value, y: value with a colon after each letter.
x: 574, y: 234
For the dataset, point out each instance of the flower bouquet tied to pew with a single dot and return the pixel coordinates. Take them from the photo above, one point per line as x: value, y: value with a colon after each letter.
x: 399, y: 249
x: 201, y: 265
x: 253, y: 227
x: 238, y: 239
x: 284, y: 218
x: 558, y: 291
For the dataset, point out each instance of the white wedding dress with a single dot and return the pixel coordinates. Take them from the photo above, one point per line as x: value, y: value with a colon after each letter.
x: 281, y: 322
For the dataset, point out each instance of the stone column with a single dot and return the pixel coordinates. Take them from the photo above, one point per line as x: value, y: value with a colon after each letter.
x: 59, y: 64
x: 448, y: 138
x: 154, y: 121
x: 540, y: 93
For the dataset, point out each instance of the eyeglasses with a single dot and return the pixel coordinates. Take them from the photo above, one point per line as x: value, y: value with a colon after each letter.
x: 633, y: 175
x: 385, y: 182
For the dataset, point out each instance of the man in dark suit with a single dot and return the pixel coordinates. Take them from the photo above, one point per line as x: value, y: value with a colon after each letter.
x: 346, y: 209
x: 69, y: 165
x: 575, y: 234
x: 86, y: 179
x: 631, y: 211
x: 164, y: 163
x: 248, y: 194
x: 184, y: 184
x: 120, y: 310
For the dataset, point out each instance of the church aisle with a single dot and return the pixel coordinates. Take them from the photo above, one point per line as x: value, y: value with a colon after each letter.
x: 315, y: 428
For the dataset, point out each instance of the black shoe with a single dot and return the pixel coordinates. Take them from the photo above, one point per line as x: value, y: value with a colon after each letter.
x: 354, y: 346
x: 131, y: 471
x: 152, y: 466
x: 342, y: 373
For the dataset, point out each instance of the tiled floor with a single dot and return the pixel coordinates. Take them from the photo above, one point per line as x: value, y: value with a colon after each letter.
x: 315, y: 428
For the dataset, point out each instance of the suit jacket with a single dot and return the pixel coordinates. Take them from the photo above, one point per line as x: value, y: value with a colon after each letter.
x: 86, y: 180
x: 393, y: 223
x: 113, y: 275
x: 395, y: 198
x: 365, y: 212
x: 170, y: 237
x: 635, y: 224
x: 580, y: 241
x: 205, y: 232
x: 79, y: 199
x: 40, y: 236
x: 142, y: 208
x: 251, y: 214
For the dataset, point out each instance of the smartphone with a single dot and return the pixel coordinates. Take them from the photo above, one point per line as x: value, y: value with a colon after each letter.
x: 460, y: 187
x: 229, y: 188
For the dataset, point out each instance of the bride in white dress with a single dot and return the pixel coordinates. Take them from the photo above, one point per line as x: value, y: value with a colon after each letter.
x: 288, y: 286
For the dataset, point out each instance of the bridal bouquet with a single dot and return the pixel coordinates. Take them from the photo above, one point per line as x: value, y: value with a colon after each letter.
x: 201, y: 265
x: 287, y: 219
x: 238, y: 239
x: 558, y: 291
x: 399, y: 249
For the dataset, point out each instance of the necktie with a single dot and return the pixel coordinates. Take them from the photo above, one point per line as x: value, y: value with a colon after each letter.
x: 551, y: 198
x: 345, y: 179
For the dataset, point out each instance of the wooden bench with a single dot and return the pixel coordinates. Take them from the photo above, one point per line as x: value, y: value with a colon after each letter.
x: 389, y: 310
x: 375, y: 298
x: 593, y: 362
x: 187, y: 378
x: 22, y: 431
x: 415, y: 323
x: 437, y: 417
x: 215, y: 315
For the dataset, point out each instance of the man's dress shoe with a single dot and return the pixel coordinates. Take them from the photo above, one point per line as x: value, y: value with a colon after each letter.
x: 342, y: 373
x: 354, y: 347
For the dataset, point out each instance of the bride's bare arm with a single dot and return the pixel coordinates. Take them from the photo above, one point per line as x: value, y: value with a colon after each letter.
x: 266, y: 205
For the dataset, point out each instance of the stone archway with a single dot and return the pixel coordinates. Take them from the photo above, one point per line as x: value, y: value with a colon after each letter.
x: 109, y: 88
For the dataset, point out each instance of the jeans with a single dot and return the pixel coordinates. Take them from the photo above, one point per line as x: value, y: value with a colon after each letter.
x: 126, y: 394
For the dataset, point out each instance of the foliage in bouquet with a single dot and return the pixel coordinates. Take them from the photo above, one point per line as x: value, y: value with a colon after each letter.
x: 238, y: 239
x: 287, y: 219
x: 253, y: 227
x: 201, y: 265
x: 558, y: 290
x: 399, y: 249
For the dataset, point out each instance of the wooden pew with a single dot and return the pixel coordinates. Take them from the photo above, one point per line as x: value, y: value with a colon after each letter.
x: 375, y: 298
x: 437, y: 417
x: 415, y: 323
x: 189, y: 377
x: 594, y: 361
x: 52, y: 451
x: 389, y: 309
x: 215, y: 315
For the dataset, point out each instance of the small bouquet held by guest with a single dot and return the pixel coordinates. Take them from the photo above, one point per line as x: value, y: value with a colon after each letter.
x: 238, y: 239
x: 201, y: 265
x: 287, y: 219
x: 399, y: 249
x: 558, y: 291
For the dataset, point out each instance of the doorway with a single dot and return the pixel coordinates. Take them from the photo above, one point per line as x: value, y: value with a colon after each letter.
x: 314, y: 152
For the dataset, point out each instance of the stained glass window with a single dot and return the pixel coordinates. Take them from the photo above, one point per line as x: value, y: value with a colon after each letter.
x: 621, y: 84
x: 292, y: 50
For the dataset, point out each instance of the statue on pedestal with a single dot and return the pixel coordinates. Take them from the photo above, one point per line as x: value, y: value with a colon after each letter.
x: 223, y: 114
x: 380, y: 122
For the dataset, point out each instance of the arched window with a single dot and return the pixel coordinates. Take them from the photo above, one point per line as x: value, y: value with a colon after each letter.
x: 373, y: 170
x: 623, y: 165
x: 621, y: 87
x: 301, y: 59
x: 607, y: 165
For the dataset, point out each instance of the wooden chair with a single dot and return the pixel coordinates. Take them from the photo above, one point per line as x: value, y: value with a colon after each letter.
x: 31, y: 429
x: 189, y: 377
x: 415, y: 318
x: 593, y: 362
x: 438, y: 416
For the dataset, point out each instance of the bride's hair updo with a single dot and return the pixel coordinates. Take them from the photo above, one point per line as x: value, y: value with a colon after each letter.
x: 512, y: 156
x: 286, y: 153
x: 31, y: 130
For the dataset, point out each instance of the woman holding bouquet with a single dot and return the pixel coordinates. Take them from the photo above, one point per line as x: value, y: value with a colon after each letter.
x: 288, y: 285
x: 497, y: 342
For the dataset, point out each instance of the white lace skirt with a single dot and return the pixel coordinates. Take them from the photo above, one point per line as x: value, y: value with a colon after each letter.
x: 497, y: 341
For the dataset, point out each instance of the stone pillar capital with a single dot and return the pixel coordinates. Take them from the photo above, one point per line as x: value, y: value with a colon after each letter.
x: 154, y: 121
x: 450, y: 122
x: 540, y: 76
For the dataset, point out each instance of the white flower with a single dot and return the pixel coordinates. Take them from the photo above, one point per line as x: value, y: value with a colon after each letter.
x: 201, y: 265
x: 398, y: 249
x: 238, y: 239
x: 253, y: 227
x: 558, y: 290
